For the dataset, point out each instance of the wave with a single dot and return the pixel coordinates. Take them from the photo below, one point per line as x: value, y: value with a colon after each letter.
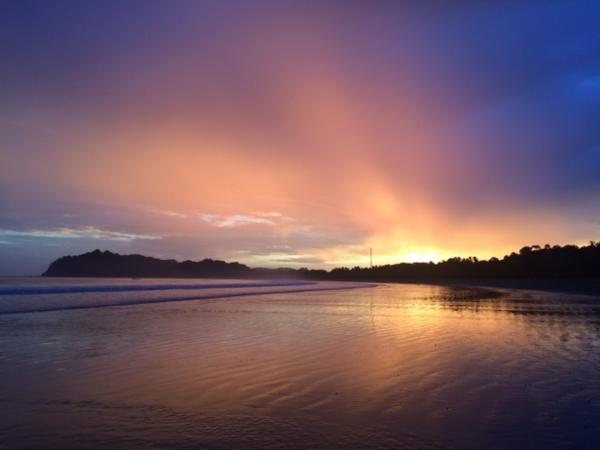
x: 75, y: 297
x: 75, y: 289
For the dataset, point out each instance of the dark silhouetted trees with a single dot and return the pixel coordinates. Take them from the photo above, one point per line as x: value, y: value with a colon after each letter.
x: 569, y: 261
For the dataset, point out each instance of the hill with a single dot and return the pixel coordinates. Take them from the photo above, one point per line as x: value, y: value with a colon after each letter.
x: 534, y: 262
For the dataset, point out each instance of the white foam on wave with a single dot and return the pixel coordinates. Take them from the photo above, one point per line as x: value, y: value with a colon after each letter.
x: 38, y: 296
x: 70, y: 289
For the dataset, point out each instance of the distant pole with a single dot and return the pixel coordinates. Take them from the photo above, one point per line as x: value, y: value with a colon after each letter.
x: 371, y: 256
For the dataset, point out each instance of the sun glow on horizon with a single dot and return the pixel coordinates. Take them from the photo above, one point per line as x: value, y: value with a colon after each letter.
x: 294, y: 136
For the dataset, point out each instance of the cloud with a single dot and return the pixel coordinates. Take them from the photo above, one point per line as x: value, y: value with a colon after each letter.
x: 89, y: 232
x: 300, y: 260
x: 417, y: 130
x: 238, y: 220
x: 178, y: 215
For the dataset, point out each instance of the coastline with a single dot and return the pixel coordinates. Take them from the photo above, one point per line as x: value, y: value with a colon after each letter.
x: 34, y: 299
x: 587, y: 286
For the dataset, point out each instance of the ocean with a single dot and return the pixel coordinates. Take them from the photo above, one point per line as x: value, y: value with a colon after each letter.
x: 235, y: 364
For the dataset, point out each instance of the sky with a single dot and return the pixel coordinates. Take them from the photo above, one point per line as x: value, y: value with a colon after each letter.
x: 297, y: 133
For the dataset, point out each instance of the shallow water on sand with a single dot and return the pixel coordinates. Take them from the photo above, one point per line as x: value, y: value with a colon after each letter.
x: 394, y: 366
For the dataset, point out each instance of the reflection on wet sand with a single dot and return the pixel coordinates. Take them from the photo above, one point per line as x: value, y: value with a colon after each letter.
x: 396, y: 366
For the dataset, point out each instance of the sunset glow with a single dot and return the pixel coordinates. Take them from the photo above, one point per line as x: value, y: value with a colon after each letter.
x: 296, y: 136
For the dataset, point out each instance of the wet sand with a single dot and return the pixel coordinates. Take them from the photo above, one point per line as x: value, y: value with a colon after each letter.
x: 583, y: 286
x: 395, y: 366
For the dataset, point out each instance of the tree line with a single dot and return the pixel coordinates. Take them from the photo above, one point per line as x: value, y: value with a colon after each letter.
x: 568, y: 261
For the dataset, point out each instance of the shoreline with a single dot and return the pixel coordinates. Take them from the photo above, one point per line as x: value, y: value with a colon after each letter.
x: 579, y: 286
x: 588, y: 286
x: 37, y: 303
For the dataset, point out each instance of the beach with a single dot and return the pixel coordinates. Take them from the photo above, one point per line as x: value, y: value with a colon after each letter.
x: 385, y: 366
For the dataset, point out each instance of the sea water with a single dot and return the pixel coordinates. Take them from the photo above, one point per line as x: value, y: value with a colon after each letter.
x: 390, y: 366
